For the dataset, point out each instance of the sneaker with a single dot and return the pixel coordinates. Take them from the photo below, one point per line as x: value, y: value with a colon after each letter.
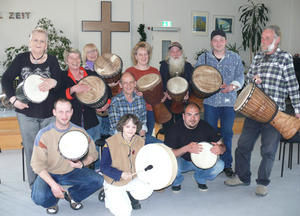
x: 176, y: 189
x: 235, y: 181
x: 135, y: 204
x: 202, y: 187
x: 228, y: 172
x: 261, y: 190
x: 73, y: 204
x: 52, y: 209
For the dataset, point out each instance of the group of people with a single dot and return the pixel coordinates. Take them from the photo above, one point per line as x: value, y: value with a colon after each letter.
x: 131, y: 120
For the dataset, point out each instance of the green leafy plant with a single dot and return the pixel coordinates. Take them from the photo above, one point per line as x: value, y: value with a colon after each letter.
x: 141, y: 31
x: 254, y: 17
x: 199, y: 53
x: 57, y: 44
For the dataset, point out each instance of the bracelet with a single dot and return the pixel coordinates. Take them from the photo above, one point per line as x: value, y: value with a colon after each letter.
x: 82, y: 164
x: 14, y: 101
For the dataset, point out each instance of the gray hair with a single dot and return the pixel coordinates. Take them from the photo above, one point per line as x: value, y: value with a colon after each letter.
x: 39, y: 30
x: 70, y: 51
x: 275, y: 29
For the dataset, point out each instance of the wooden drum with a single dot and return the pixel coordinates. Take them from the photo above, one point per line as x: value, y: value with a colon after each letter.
x: 177, y: 88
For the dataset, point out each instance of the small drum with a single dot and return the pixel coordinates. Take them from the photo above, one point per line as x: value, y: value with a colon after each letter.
x: 177, y: 88
x: 151, y: 86
x: 109, y: 67
x: 142, y: 190
x: 97, y: 96
x: 206, y: 81
x: 255, y: 104
x: 205, y: 159
x: 28, y: 90
x: 73, y: 145
x: 164, y: 165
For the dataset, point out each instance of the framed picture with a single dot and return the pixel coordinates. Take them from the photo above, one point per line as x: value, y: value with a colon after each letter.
x: 225, y: 23
x: 200, y: 23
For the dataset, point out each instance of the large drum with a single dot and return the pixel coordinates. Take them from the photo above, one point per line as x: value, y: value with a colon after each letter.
x: 151, y: 87
x: 255, y: 104
x: 28, y: 90
x: 204, y: 159
x: 164, y: 163
x: 73, y: 145
x: 177, y: 88
x: 109, y: 67
x: 206, y: 81
x: 97, y: 96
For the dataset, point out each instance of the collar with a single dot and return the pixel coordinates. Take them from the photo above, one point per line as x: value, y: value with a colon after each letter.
x: 72, y: 77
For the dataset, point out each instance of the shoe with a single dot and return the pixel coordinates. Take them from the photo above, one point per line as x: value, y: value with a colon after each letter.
x: 235, y: 181
x: 52, y: 209
x: 228, y: 172
x: 135, y: 204
x: 202, y: 187
x: 74, y: 205
x: 261, y: 190
x: 176, y: 189
x: 101, y: 196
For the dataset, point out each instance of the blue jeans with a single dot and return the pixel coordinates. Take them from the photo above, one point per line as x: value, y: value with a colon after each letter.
x: 152, y: 139
x: 29, y: 128
x: 200, y: 175
x: 270, y: 138
x: 150, y: 121
x: 84, y: 183
x: 226, y: 116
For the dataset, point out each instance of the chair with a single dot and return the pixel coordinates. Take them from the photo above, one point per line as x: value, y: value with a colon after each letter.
x: 294, y: 140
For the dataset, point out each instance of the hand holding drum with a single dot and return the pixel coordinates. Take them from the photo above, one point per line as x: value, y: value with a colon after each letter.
x: 205, y: 159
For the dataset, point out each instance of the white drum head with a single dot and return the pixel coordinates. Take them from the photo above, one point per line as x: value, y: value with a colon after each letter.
x: 148, y: 81
x: 142, y: 190
x: 205, y: 159
x: 164, y: 165
x: 243, y: 96
x: 73, y: 145
x: 177, y: 85
x: 32, y: 91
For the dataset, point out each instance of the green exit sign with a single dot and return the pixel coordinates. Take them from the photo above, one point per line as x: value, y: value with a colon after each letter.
x: 166, y: 23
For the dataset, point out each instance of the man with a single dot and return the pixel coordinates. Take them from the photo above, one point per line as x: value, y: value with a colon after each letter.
x: 220, y: 105
x: 54, y: 170
x: 174, y: 65
x: 183, y: 138
x: 129, y: 102
x: 272, y: 70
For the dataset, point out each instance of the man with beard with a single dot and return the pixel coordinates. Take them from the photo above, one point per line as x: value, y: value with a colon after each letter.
x: 273, y: 71
x: 174, y: 65
x: 183, y: 138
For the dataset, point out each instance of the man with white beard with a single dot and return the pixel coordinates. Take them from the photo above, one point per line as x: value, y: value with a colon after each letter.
x: 174, y: 65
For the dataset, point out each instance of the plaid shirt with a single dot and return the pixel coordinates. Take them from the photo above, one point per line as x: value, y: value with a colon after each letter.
x: 120, y: 106
x: 278, y: 77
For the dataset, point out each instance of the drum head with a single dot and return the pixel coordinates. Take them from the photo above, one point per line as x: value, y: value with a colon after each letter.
x: 207, y: 79
x: 97, y: 91
x: 243, y: 97
x: 73, y: 145
x: 164, y: 165
x: 142, y: 190
x: 205, y: 159
x: 32, y: 91
x: 177, y: 85
x: 108, y: 64
x: 148, y: 81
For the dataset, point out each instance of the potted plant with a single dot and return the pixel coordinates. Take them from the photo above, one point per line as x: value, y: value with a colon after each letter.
x: 254, y: 17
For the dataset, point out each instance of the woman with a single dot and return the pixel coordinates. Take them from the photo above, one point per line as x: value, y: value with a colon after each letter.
x: 32, y: 116
x: 141, y: 55
x: 118, y: 166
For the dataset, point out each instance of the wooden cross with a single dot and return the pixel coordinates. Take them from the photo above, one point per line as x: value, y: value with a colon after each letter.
x: 105, y: 26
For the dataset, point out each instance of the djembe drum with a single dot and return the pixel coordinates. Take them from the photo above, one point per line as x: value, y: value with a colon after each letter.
x: 151, y: 87
x: 204, y: 159
x: 255, y: 104
x: 109, y: 67
x: 177, y: 88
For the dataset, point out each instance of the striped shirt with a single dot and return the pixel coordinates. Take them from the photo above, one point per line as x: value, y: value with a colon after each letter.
x: 278, y: 77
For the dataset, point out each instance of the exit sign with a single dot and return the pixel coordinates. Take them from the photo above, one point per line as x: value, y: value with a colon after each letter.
x: 166, y: 23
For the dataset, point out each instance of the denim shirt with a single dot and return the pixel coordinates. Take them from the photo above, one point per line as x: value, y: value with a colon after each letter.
x: 232, y: 71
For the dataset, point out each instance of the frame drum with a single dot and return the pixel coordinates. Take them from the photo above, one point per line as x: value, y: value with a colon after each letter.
x: 177, y: 88
x: 28, y: 90
x: 205, y: 159
x: 206, y: 81
x: 97, y: 96
x: 73, y: 145
x: 164, y: 165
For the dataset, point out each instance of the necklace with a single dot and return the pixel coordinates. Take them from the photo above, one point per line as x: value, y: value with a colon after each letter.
x: 37, y: 59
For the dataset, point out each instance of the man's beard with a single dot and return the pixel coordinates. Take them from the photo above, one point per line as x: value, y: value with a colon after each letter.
x: 176, y: 66
x: 270, y: 47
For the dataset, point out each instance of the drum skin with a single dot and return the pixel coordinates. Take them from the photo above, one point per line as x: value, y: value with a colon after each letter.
x: 205, y: 159
x: 177, y: 88
x: 164, y: 163
x: 206, y: 81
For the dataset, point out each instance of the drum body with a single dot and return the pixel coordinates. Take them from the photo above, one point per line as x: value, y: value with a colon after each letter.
x: 164, y: 165
x: 28, y: 90
x: 205, y: 159
x: 206, y: 81
x: 177, y: 88
x: 97, y: 96
x: 73, y: 145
